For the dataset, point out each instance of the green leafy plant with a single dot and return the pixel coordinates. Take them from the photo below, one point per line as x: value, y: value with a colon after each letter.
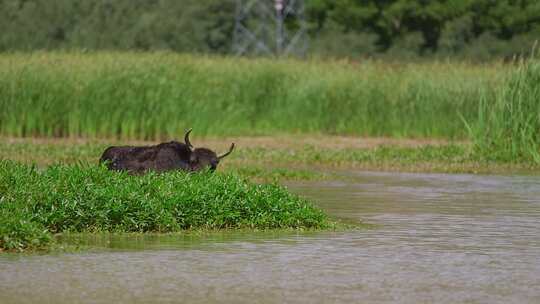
x: 37, y: 203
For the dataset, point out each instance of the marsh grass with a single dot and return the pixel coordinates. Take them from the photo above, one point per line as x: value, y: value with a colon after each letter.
x: 508, y: 127
x: 160, y: 95
x: 36, y: 203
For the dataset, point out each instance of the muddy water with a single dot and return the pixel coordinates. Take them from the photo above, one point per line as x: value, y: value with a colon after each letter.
x: 439, y: 239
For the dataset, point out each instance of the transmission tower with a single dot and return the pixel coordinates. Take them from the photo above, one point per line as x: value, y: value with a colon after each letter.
x: 270, y: 27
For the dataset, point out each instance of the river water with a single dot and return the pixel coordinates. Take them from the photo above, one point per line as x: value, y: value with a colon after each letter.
x: 437, y: 239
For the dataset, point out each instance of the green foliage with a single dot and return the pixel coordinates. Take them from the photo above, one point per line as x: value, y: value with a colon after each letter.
x: 18, y: 234
x: 160, y: 95
x: 408, y: 28
x: 184, y: 26
x: 508, y: 126
x: 35, y: 203
x: 352, y: 28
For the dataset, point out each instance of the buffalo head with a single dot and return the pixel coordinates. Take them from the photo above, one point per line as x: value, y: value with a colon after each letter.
x: 201, y: 158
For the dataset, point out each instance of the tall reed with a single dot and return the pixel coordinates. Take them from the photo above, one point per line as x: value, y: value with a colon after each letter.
x: 159, y: 95
x: 508, y: 125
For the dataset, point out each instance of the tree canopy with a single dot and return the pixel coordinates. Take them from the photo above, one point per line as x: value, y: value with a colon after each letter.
x: 480, y: 29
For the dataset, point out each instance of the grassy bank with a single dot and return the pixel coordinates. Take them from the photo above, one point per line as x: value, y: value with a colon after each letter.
x: 291, y: 157
x: 160, y: 95
x: 38, y: 203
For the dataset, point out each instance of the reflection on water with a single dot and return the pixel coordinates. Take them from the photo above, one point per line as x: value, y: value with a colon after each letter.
x: 440, y: 238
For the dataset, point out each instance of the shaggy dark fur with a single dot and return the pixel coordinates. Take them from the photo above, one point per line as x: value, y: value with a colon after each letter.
x: 163, y: 157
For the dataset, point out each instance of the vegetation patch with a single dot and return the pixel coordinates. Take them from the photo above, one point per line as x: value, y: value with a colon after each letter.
x: 35, y: 204
x: 283, y: 159
x: 70, y: 95
x: 508, y: 127
x: 160, y: 95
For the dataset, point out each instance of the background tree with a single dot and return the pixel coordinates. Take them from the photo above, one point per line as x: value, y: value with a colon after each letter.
x: 477, y: 29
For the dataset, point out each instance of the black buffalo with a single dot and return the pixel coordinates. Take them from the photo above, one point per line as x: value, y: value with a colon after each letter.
x: 160, y: 158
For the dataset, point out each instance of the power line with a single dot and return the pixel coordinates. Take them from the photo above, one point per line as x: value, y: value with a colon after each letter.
x: 270, y: 27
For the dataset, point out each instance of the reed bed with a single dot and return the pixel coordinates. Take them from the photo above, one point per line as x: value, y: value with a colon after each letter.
x: 508, y: 126
x: 160, y: 95
x: 154, y: 96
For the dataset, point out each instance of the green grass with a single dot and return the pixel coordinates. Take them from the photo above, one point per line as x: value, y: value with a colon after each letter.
x: 449, y: 158
x: 160, y: 95
x: 508, y: 127
x: 35, y: 204
x: 298, y: 162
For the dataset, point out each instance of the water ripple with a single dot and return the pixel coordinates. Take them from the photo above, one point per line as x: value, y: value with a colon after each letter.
x: 440, y: 239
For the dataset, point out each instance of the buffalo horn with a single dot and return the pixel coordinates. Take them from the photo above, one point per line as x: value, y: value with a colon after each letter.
x: 230, y: 150
x: 186, y: 138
